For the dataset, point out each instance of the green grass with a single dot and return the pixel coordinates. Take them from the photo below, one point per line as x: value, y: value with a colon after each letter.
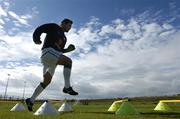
x: 95, y: 110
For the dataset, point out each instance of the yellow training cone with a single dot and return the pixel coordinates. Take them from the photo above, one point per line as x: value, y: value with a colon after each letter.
x: 161, y: 106
x: 115, y: 106
x: 126, y: 109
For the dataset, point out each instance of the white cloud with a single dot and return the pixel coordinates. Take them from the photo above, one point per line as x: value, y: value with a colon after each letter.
x: 140, y: 67
x: 17, y: 17
x: 2, y: 12
x: 106, y: 29
x: 12, y: 21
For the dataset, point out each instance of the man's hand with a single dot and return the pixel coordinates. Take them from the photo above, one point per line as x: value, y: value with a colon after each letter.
x: 71, y: 47
x: 37, y: 40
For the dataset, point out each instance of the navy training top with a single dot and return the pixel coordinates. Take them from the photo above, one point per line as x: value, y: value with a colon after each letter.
x: 55, y: 37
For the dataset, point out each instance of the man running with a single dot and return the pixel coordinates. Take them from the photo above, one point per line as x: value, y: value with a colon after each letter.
x: 52, y: 55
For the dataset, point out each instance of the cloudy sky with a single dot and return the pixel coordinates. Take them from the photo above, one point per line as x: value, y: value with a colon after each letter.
x: 123, y: 47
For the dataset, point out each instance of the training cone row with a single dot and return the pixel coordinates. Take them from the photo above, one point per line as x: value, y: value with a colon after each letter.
x: 123, y: 107
x: 46, y: 108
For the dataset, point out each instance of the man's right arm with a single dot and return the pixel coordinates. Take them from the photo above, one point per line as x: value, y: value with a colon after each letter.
x: 41, y: 29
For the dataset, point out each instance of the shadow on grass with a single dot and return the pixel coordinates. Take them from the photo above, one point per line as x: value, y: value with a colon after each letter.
x: 169, y: 114
x: 160, y: 113
x: 144, y: 113
x: 98, y: 112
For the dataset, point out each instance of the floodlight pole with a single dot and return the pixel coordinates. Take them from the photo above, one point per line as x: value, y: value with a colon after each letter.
x: 24, y: 89
x: 6, y: 86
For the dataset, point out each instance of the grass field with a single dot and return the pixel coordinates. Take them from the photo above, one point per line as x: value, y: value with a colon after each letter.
x: 94, y: 110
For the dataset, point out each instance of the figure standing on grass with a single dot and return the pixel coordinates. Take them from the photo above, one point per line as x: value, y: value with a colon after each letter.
x: 52, y: 55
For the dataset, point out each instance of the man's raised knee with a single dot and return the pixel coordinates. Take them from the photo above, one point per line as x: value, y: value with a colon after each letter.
x: 68, y: 64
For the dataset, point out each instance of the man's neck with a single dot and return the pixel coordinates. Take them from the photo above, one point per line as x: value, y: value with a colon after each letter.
x: 62, y: 28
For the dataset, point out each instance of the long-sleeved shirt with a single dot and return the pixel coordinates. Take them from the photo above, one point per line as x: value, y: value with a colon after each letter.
x: 55, y: 37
